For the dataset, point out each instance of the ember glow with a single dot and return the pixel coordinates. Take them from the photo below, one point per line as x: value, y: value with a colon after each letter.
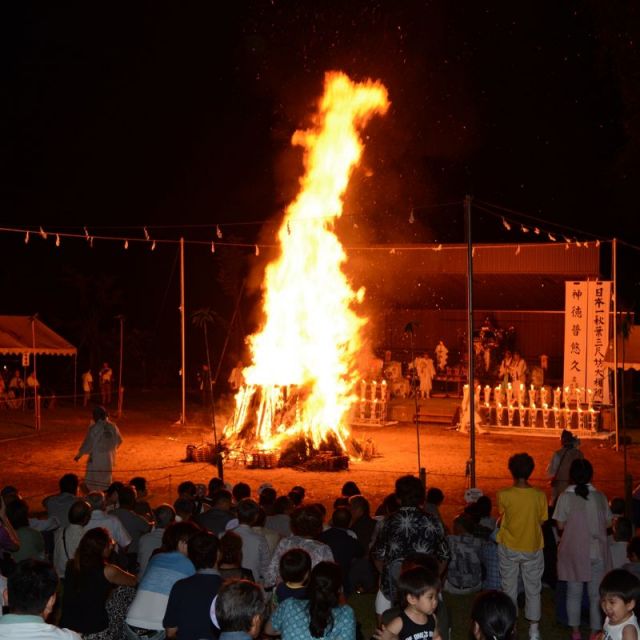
x: 302, y: 374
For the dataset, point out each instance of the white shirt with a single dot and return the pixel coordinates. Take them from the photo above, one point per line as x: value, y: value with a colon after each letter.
x: 66, y: 541
x: 255, y: 551
x: 19, y: 627
x: 614, y: 631
x: 112, y: 525
x: 147, y: 544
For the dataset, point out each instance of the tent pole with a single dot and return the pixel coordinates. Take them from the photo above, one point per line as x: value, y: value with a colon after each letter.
x: 614, y: 270
x: 75, y: 379
x: 36, y: 400
x: 183, y: 415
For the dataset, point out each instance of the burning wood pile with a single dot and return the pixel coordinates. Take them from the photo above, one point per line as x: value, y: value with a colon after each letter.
x: 300, y: 386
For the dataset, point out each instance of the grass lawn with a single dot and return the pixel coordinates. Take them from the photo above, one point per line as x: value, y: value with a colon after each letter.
x: 459, y: 611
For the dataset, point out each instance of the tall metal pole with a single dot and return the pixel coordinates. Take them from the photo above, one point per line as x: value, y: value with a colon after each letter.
x: 120, y: 389
x: 183, y: 372
x: 36, y: 399
x: 471, y: 381
x: 614, y: 271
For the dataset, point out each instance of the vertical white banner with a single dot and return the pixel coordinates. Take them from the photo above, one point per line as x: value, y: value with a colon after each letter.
x: 575, y: 334
x: 597, y: 336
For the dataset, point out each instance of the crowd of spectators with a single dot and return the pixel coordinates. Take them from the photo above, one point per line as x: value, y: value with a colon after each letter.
x: 230, y: 562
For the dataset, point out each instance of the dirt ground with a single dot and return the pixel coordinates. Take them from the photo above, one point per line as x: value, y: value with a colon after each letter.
x: 154, y: 447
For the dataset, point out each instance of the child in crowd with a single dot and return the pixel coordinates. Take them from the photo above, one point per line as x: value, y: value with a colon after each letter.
x: 483, y: 509
x: 622, y: 532
x: 433, y: 501
x: 295, y: 566
x: 633, y: 553
x: 493, y: 617
x: 523, y: 509
x: 418, y: 590
x: 464, y: 573
x: 619, y: 592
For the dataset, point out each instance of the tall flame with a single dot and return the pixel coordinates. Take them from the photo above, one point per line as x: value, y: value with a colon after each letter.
x: 311, y: 334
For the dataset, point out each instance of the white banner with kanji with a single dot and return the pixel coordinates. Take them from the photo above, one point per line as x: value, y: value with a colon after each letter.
x: 586, y: 336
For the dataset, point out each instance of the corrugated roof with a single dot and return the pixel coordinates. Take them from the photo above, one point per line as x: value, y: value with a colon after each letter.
x: 17, y: 337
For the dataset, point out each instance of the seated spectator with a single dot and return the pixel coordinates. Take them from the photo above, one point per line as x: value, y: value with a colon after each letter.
x: 100, y: 518
x: 363, y: 575
x: 622, y: 533
x: 147, y: 610
x: 240, y: 610
x: 135, y: 524
x: 389, y: 505
x: 88, y: 581
x: 31, y: 541
x: 216, y: 518
x: 185, y: 509
x: 483, y: 509
x: 322, y: 510
x: 187, y: 613
x: 112, y: 496
x: 296, y: 495
x: 342, y: 501
x: 344, y: 547
x: 267, y: 499
x: 230, y: 562
x: 349, y: 489
x: 149, y: 542
x: 633, y: 554
x: 240, y: 491
x: 68, y: 538
x: 214, y: 485
x: 295, y: 567
x: 464, y: 573
x: 31, y: 591
x: 187, y: 490
x: 306, y: 525
x: 280, y: 521
x: 322, y: 615
x: 9, y: 540
x: 255, y: 550
x: 142, y: 507
x: 272, y: 537
x: 58, y: 505
x: 493, y: 617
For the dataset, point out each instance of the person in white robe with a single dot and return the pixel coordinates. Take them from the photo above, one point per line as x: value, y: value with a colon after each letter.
x: 100, y: 444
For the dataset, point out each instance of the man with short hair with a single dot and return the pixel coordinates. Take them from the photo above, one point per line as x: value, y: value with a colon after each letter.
x: 255, y: 549
x: 216, y: 518
x: 99, y: 518
x: 31, y: 591
x: 58, y: 505
x: 149, y: 542
x: 67, y: 539
x: 135, y: 524
x: 240, y: 610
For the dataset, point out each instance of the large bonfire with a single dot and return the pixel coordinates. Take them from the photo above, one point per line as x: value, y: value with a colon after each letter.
x: 299, y: 387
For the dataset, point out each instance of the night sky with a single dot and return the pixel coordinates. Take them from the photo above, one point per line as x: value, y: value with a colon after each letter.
x: 178, y: 117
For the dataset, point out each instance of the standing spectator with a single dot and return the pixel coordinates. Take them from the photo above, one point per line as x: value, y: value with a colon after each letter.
x: 16, y: 390
x: 100, y: 444
x: 147, y: 610
x: 523, y: 509
x: 32, y: 386
x: 322, y: 615
x: 464, y: 573
x: 32, y: 589
x: 149, y: 542
x: 582, y: 515
x: 106, y: 382
x: 363, y: 574
x: 88, y: 581
x: 255, y: 550
x: 344, y: 547
x: 240, y: 610
x: 187, y: 614
x: 67, y: 539
x: 58, y: 505
x: 306, y: 525
x: 408, y: 530
x: 87, y: 387
x: 560, y: 463
x: 236, y: 377
x: 31, y: 541
x: 434, y: 500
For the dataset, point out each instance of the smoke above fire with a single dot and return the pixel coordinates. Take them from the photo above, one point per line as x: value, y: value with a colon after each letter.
x: 303, y: 357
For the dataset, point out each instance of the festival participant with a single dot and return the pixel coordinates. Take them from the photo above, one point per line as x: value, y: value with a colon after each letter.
x: 426, y: 373
x: 100, y: 444
x: 88, y: 582
x: 583, y: 516
x: 87, y: 387
x: 31, y: 591
x: 523, y: 509
x: 518, y: 369
x: 236, y: 378
x: 442, y: 355
x: 106, y: 382
x: 505, y: 368
x: 322, y: 615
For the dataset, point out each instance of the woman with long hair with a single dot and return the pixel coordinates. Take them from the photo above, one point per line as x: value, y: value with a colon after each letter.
x: 88, y: 582
x: 323, y: 615
x: 582, y: 515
